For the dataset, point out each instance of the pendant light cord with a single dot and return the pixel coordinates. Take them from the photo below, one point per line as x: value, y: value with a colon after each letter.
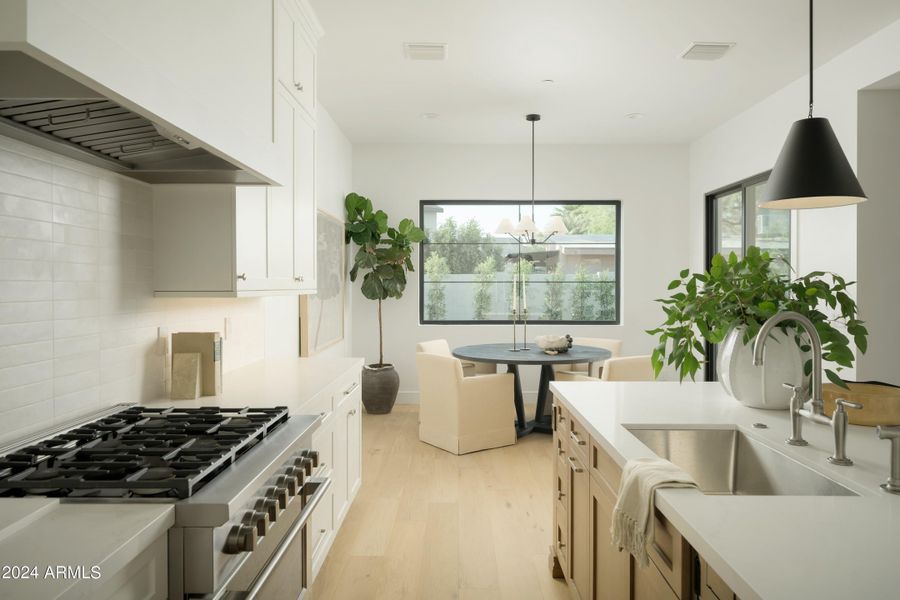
x: 810, y: 59
x: 532, y: 170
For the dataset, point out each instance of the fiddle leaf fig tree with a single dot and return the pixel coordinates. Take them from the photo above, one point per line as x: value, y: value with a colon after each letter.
x: 746, y: 292
x: 384, y: 254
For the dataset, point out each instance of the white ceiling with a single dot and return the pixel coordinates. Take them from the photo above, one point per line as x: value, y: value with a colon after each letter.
x: 607, y: 57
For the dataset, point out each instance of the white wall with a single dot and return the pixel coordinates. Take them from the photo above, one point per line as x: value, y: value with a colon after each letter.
x: 749, y: 143
x: 78, y: 320
x: 879, y: 242
x: 651, y: 181
x: 334, y: 163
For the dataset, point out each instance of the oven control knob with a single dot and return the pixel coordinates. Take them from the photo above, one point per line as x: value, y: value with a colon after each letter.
x: 257, y: 519
x: 297, y: 474
x: 306, y: 464
x: 241, y: 538
x: 278, y: 494
x: 269, y: 506
x: 289, y: 484
x: 313, y: 455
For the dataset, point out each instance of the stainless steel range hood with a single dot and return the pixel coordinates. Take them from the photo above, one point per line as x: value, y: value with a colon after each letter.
x: 43, y: 107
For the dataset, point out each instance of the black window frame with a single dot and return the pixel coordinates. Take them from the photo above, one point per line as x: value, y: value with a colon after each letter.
x: 521, y: 203
x: 712, y: 238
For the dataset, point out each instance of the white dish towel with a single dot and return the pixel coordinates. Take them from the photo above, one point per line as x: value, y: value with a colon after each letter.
x: 632, y: 519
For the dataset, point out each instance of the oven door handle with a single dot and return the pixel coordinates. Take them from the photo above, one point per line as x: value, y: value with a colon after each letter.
x: 322, y: 486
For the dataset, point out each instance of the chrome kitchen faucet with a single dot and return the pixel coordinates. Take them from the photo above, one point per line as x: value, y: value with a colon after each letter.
x: 816, y: 410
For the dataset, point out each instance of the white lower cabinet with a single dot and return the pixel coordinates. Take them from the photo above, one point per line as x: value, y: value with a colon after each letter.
x: 339, y: 444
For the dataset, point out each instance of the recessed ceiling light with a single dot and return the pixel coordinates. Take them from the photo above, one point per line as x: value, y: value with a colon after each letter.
x: 547, y: 81
x: 429, y: 116
x: 634, y: 116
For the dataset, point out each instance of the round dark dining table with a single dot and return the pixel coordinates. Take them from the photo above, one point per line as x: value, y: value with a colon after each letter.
x: 503, y: 355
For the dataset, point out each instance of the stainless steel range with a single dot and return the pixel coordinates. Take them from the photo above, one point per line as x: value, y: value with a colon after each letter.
x: 243, y: 482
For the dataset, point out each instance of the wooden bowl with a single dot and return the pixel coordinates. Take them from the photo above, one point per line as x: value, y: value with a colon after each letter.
x: 881, y: 403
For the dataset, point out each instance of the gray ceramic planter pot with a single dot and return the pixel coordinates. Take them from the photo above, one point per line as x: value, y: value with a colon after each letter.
x: 379, y: 388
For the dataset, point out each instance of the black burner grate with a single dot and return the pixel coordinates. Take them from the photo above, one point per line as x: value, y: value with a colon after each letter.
x: 139, y: 451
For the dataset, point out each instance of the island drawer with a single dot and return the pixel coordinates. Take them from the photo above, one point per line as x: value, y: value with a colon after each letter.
x: 671, y: 555
x: 578, y: 439
x: 604, y: 468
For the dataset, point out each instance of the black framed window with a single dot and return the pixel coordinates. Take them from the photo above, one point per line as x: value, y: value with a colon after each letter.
x: 734, y: 221
x: 466, y: 269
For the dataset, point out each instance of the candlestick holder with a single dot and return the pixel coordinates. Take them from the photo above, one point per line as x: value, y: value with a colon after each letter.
x: 514, y: 321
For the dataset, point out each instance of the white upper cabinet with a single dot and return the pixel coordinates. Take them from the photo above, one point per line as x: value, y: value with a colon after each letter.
x: 295, y: 53
x: 219, y: 240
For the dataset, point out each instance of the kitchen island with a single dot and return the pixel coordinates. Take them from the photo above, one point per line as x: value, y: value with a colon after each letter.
x: 763, y: 547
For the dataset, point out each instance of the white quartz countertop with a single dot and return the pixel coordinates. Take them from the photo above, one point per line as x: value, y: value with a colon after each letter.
x: 38, y: 534
x: 764, y: 547
x: 287, y: 382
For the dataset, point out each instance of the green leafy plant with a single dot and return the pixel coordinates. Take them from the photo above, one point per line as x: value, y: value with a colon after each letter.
x: 746, y: 292
x: 436, y: 269
x: 554, y: 294
x: 384, y: 254
x: 486, y: 272
x: 582, y: 308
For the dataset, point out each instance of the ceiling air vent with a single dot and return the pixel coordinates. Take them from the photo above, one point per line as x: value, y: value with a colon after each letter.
x: 425, y: 50
x: 706, y: 50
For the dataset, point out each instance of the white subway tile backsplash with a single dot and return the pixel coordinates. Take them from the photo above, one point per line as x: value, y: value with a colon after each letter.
x: 78, y: 320
x: 75, y: 179
x: 22, y: 333
x: 17, y: 185
x: 25, y: 312
x: 65, y: 328
x: 12, y: 377
x: 25, y: 395
x: 76, y: 345
x: 70, y: 234
x: 76, y: 198
x: 24, y: 270
x: 25, y: 229
x: 75, y: 216
x: 24, y: 291
x: 25, y: 208
x: 20, y: 164
x: 22, y: 354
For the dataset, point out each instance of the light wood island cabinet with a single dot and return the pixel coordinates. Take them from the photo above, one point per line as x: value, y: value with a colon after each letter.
x: 586, y: 481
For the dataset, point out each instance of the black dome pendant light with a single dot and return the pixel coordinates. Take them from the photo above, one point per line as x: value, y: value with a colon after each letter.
x: 812, y: 170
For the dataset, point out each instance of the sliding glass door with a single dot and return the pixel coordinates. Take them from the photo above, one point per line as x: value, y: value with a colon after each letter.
x: 735, y: 220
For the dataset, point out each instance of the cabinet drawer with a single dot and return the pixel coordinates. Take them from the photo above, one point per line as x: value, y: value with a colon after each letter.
x: 670, y: 553
x: 346, y: 391
x: 649, y: 584
x: 713, y: 587
x: 578, y: 439
x: 604, y: 468
x: 323, y: 443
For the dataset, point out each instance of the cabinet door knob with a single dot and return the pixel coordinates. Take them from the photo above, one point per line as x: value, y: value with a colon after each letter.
x: 353, y: 412
x: 242, y: 277
x: 298, y: 86
x: 298, y: 278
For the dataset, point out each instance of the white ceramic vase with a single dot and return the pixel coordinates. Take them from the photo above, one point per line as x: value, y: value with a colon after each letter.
x: 760, y: 387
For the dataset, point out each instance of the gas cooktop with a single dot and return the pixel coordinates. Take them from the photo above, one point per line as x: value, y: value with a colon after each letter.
x: 162, y: 453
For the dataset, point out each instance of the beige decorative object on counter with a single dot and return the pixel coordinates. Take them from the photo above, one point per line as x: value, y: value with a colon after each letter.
x: 209, y: 345
x: 186, y: 375
x: 881, y: 403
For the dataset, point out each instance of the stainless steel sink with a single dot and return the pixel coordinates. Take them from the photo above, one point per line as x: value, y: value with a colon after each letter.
x: 725, y: 461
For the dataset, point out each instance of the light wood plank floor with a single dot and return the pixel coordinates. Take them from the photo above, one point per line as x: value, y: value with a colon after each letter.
x: 428, y: 524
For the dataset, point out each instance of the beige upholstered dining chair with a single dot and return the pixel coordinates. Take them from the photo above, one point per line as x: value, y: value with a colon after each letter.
x: 463, y: 414
x: 628, y: 368
x: 568, y: 372
x: 469, y: 367
x: 623, y: 368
